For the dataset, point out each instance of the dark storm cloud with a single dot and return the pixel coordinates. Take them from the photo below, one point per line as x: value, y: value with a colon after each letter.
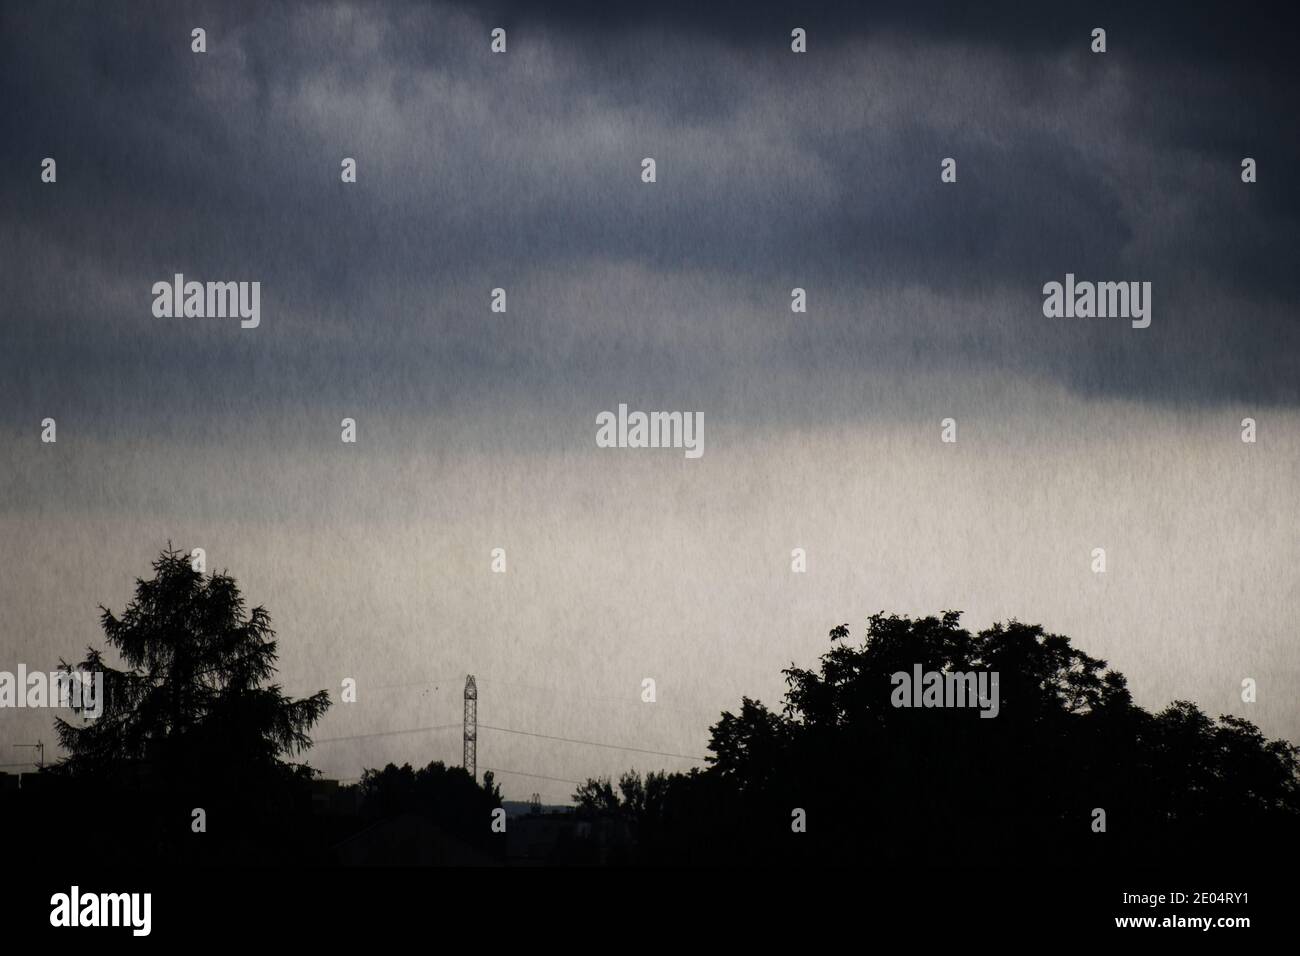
x: 521, y: 171
x: 775, y: 170
x: 1201, y: 30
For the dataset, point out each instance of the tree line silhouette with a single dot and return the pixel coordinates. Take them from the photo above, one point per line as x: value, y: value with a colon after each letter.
x: 1071, y: 772
x: 941, y: 786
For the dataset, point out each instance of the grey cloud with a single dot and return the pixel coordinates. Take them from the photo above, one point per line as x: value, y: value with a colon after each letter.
x: 521, y: 171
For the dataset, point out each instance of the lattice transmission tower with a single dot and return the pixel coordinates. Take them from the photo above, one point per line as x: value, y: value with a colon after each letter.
x: 470, y: 761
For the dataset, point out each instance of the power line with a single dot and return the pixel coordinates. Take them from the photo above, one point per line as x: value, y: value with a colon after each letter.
x: 524, y: 733
x: 385, y: 733
x: 593, y: 743
x: 510, y: 730
x: 539, y: 776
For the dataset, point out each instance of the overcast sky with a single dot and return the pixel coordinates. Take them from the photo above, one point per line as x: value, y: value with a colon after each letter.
x: 822, y: 430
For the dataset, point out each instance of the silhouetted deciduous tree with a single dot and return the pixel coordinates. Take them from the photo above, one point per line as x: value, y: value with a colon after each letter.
x: 944, y: 786
x: 446, y: 796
